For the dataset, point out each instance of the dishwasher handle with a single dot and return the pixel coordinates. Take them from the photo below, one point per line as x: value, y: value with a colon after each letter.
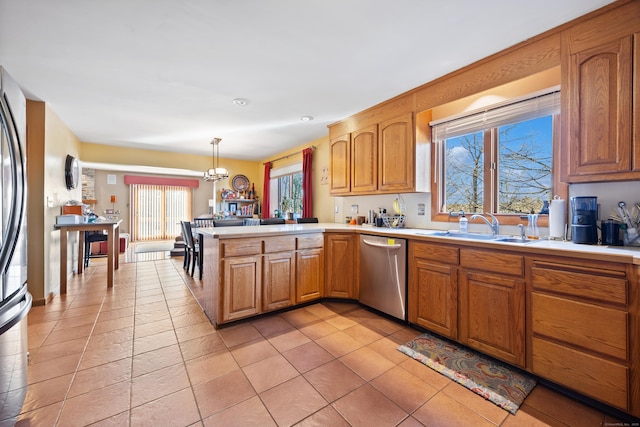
x: 382, y: 245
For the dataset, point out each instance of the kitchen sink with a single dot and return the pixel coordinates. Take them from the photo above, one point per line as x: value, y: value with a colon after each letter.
x: 513, y: 239
x: 458, y: 235
x: 481, y: 236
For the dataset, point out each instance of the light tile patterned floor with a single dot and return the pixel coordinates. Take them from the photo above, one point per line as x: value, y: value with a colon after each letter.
x: 144, y: 354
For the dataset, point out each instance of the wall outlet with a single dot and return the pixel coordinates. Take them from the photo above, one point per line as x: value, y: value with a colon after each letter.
x: 420, y: 208
x: 354, y: 209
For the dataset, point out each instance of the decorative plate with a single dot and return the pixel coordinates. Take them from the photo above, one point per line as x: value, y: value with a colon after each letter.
x: 240, y: 183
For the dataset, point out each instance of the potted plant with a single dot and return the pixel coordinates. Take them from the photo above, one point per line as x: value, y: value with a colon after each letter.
x: 287, y: 206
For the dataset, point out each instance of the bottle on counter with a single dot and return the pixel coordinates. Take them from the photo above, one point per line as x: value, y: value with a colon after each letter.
x: 532, y: 226
x: 464, y: 223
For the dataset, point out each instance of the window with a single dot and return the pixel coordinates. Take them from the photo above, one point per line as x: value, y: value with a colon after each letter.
x: 286, y: 190
x: 290, y: 193
x: 498, y: 160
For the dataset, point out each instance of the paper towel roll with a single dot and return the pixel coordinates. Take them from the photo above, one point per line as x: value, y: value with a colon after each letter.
x: 557, y: 215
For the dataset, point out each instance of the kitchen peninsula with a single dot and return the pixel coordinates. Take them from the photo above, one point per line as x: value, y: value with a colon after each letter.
x: 565, y: 312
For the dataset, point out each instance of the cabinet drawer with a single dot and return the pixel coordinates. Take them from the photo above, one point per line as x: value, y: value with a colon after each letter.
x: 308, y: 241
x: 435, y: 252
x: 580, y: 281
x: 279, y: 244
x: 497, y: 262
x: 596, y: 328
x: 604, y: 380
x: 240, y: 247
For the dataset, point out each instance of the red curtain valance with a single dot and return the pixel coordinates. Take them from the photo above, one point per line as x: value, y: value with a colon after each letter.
x: 156, y: 180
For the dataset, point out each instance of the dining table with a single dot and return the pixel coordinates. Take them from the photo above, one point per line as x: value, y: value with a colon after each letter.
x: 112, y: 230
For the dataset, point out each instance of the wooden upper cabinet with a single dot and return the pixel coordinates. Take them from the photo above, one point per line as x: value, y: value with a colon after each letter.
x: 379, y: 158
x: 600, y: 102
x: 396, y: 155
x: 340, y: 164
x: 599, y: 111
x: 364, y: 160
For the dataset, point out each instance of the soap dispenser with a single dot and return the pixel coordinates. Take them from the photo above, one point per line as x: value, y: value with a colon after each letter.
x: 464, y: 223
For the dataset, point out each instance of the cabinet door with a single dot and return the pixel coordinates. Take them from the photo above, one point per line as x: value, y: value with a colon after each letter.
x: 341, y: 266
x: 492, y: 315
x: 309, y: 274
x: 241, y: 277
x: 364, y: 160
x: 340, y: 165
x: 396, y: 155
x: 599, y: 118
x: 433, y: 293
x: 278, y: 280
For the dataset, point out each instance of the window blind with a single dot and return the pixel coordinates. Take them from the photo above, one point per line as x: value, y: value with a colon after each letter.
x: 157, y: 211
x: 512, y: 111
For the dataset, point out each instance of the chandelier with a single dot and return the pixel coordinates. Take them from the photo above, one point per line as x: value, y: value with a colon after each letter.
x: 216, y: 173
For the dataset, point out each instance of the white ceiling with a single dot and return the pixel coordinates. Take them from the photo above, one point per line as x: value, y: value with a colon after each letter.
x: 162, y: 74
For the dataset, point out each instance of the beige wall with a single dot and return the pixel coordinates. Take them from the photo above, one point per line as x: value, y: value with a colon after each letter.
x: 104, y: 190
x: 253, y: 170
x: 48, y: 143
x: 322, y: 201
x: 124, y: 156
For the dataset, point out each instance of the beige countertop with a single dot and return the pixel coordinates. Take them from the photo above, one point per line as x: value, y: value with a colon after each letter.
x: 624, y: 254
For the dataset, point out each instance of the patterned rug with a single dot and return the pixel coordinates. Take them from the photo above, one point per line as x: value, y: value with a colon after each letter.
x: 497, y: 382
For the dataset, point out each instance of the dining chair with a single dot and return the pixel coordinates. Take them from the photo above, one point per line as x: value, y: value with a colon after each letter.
x: 193, y: 250
x: 89, y: 238
x: 251, y: 221
x: 228, y: 222
x: 307, y: 220
x: 203, y: 222
x: 271, y: 221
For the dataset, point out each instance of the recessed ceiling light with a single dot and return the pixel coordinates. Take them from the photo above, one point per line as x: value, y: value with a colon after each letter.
x: 306, y: 118
x: 240, y: 101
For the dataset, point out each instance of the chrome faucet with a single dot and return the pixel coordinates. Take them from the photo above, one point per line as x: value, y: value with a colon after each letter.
x: 493, y: 224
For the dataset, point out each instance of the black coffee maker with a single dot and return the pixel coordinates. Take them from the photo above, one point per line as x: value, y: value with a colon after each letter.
x: 583, y: 220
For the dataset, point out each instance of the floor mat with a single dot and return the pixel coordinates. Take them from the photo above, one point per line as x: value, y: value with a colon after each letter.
x: 143, y: 247
x: 497, y: 382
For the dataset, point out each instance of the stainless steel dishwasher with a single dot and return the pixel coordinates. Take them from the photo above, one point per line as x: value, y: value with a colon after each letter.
x: 383, y: 274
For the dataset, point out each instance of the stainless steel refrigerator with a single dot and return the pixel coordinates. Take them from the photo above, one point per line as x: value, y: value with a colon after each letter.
x: 15, y: 301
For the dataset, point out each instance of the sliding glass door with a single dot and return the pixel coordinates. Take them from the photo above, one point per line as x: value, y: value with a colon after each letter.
x: 156, y: 211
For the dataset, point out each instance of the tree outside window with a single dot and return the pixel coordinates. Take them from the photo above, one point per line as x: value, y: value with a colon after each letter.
x: 290, y: 193
x: 516, y: 165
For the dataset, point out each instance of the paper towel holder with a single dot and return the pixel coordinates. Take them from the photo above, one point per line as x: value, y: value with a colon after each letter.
x: 557, y: 219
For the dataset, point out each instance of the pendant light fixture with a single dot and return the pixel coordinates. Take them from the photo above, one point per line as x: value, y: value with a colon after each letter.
x: 216, y: 173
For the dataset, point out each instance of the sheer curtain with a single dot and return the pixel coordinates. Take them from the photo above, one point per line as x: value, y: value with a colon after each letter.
x: 266, y: 193
x: 307, y: 183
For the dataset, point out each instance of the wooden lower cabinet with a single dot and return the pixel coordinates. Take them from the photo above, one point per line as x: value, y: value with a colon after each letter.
x: 241, y: 287
x: 342, y: 266
x: 278, y: 280
x: 492, y: 308
x: 309, y: 274
x: 269, y: 273
x: 433, y: 288
x: 580, y: 323
x: 492, y: 315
